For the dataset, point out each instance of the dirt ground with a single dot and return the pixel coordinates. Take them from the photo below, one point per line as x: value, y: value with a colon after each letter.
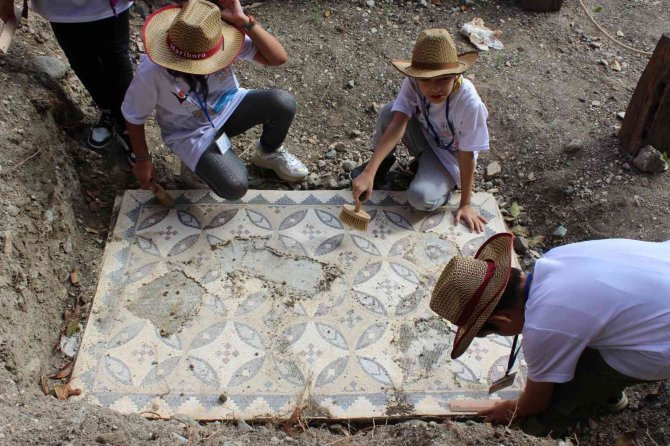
x: 553, y: 100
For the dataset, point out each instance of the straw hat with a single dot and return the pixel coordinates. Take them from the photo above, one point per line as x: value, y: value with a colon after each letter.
x: 191, y: 38
x: 435, y: 55
x: 469, y: 288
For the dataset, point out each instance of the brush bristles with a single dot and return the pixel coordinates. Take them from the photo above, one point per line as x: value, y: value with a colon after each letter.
x: 357, y: 220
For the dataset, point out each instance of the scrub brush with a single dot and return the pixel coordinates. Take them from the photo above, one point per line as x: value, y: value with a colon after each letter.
x: 355, y: 217
x: 163, y: 197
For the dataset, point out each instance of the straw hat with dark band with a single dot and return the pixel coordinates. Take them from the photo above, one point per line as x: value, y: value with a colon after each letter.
x: 191, y: 38
x: 469, y: 288
x: 435, y: 55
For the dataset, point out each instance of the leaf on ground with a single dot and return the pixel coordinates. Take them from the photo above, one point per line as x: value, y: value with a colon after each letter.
x: 43, y: 383
x: 71, y: 314
x: 537, y: 240
x: 519, y: 231
x: 515, y: 210
x: 627, y: 439
x: 64, y: 391
x: 72, y: 327
x: 65, y: 371
x: 74, y: 277
x: 658, y: 390
x: 91, y: 230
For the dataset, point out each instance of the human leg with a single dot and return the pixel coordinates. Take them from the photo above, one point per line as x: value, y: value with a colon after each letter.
x: 383, y: 120
x: 432, y: 185
x: 224, y: 173
x: 594, y: 385
x: 274, y: 109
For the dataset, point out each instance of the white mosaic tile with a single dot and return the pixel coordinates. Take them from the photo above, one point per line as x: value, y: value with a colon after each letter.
x: 273, y: 302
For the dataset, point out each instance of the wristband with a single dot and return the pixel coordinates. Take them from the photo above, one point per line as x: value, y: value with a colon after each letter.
x: 251, y: 24
x: 143, y: 158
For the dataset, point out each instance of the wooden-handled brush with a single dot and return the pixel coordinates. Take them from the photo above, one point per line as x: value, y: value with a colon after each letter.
x: 163, y: 197
x: 355, y: 217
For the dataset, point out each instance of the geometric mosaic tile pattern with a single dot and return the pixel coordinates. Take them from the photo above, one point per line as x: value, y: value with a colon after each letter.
x: 271, y: 301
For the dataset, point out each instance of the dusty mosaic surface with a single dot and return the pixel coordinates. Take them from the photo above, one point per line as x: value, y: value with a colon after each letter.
x: 272, y: 302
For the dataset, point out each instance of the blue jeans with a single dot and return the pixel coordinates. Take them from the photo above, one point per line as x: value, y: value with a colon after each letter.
x: 433, y: 184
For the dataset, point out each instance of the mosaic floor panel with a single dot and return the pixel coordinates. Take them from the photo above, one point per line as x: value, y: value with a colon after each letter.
x: 271, y: 301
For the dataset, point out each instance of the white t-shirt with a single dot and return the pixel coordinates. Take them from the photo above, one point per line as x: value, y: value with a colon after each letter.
x: 467, y: 118
x: 609, y: 295
x: 180, y: 114
x: 77, y: 11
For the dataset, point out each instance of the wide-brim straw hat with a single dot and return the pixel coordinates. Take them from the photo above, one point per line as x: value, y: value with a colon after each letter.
x: 435, y: 55
x: 191, y: 38
x: 470, y: 288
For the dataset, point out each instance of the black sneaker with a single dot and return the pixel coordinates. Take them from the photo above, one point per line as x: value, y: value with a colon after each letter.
x: 102, y: 132
x: 124, y: 141
x: 382, y: 172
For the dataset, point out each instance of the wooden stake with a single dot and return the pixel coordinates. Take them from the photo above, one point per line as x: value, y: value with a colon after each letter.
x: 647, y: 119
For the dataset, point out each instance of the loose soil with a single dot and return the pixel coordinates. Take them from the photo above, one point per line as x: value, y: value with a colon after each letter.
x: 550, y: 86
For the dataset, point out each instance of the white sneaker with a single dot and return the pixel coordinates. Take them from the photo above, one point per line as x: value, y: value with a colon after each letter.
x: 190, y: 179
x: 286, y: 166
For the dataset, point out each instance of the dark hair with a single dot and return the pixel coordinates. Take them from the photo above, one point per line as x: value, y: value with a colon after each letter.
x: 196, y: 83
x: 512, y: 297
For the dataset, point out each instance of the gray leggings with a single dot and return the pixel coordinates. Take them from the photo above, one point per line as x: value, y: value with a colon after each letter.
x: 432, y: 185
x: 226, y: 174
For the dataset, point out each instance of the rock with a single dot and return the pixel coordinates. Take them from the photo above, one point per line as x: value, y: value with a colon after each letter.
x: 596, y: 103
x: 574, y: 146
x: 340, y: 146
x: 650, y: 160
x: 355, y: 133
x: 336, y: 428
x: 493, y: 170
x: 49, y: 215
x: 331, y: 154
x: 370, y: 3
x: 531, y: 177
x: 615, y: 65
x: 180, y: 439
x: 333, y: 184
x: 274, y: 440
x: 351, y: 84
x: 348, y: 165
x: 313, y: 180
x: 561, y: 231
x: 321, y: 163
x: 621, y: 115
x: 186, y: 419
x: 112, y: 438
x: 569, y: 190
x: 344, y: 184
x: 242, y: 426
x: 520, y: 245
x: 51, y: 66
x: 223, y: 398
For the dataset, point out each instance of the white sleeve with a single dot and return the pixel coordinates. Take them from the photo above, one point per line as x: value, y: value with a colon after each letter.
x: 471, y: 128
x: 551, y: 356
x: 406, y: 100
x: 140, y: 100
x: 248, y: 50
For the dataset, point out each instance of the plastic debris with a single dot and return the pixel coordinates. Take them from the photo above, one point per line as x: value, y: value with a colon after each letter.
x: 480, y: 36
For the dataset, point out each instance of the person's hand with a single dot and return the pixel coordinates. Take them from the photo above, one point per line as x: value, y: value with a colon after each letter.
x: 362, y: 185
x: 502, y: 413
x: 144, y: 172
x: 471, y: 217
x: 232, y: 12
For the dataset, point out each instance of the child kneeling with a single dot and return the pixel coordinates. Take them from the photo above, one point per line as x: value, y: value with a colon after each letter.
x: 441, y: 119
x: 188, y: 79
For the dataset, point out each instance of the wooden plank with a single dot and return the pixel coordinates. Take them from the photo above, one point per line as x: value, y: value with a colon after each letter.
x: 8, y: 29
x: 647, y: 119
x: 471, y: 406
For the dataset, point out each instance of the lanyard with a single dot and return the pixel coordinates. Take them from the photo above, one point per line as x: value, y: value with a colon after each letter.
x: 515, y: 351
x: 436, y: 136
x: 203, y: 107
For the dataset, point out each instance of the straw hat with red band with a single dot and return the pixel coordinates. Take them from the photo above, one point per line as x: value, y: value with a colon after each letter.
x: 435, y: 55
x: 470, y: 288
x: 191, y: 38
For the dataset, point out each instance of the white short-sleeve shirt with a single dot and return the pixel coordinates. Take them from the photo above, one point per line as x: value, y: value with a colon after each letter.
x: 609, y: 295
x: 465, y: 129
x: 78, y: 11
x: 180, y: 113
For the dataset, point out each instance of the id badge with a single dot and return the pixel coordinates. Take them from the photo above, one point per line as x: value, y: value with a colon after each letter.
x: 502, y: 383
x: 223, y: 142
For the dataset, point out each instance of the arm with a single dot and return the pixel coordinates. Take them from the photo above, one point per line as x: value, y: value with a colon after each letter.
x: 466, y: 164
x: 535, y: 398
x: 391, y: 137
x: 270, y: 51
x: 143, y: 169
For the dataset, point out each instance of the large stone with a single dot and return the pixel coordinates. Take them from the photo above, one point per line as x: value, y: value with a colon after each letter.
x: 650, y: 160
x: 51, y: 66
x: 493, y: 170
x: 574, y: 146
